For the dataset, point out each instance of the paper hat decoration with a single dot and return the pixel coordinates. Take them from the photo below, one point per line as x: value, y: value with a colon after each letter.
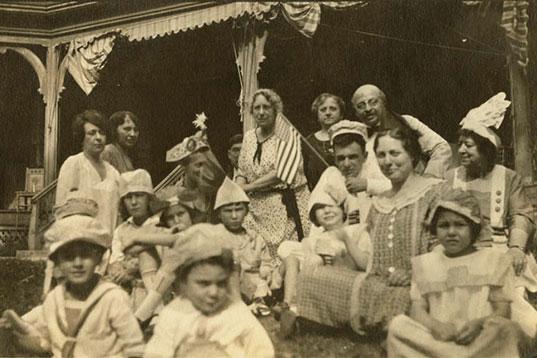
x: 489, y: 114
x: 136, y: 181
x: 188, y: 146
x: 76, y: 228
x: 229, y: 193
x: 346, y: 126
x: 197, y: 243
x: 460, y: 202
x: 319, y: 196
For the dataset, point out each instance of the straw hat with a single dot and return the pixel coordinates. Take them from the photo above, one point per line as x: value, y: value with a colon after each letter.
x: 230, y: 193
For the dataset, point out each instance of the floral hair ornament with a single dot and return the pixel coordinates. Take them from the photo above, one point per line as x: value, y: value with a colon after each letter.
x: 191, y: 144
x: 490, y: 114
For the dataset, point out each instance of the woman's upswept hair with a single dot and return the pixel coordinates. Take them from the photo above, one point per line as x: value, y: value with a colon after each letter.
x: 88, y: 116
x: 271, y: 96
x: 408, y: 138
x: 317, y: 102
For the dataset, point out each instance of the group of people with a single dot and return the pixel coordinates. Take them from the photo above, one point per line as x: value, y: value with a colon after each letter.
x: 375, y: 231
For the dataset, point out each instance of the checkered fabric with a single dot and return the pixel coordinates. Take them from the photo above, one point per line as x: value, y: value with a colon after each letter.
x: 324, y: 294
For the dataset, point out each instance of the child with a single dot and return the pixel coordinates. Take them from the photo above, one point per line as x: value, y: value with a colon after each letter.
x: 84, y: 316
x: 139, y: 265
x: 249, y: 249
x: 346, y: 246
x: 460, y: 296
x: 203, y: 320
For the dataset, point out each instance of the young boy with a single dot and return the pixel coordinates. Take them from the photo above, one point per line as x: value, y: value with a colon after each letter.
x: 84, y: 316
x: 203, y: 320
x: 249, y: 249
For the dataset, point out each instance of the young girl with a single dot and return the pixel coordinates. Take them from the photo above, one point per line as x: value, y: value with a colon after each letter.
x: 138, y: 264
x: 203, y: 320
x: 460, y: 296
x: 255, y: 266
x: 338, y: 245
x: 84, y: 316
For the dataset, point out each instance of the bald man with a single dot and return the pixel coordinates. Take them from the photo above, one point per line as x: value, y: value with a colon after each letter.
x: 370, y: 106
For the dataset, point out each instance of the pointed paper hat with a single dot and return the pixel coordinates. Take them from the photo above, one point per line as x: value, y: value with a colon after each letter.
x: 320, y: 196
x: 229, y: 193
x: 489, y: 114
x: 138, y: 180
x: 188, y: 146
x: 346, y: 126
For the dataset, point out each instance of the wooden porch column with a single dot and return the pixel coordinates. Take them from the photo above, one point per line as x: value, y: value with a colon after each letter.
x: 51, y: 98
x: 520, y: 114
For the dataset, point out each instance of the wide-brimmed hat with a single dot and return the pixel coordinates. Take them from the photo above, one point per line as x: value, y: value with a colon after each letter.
x: 490, y: 114
x: 460, y: 202
x: 76, y: 228
x: 346, y: 126
x: 136, y: 181
x: 187, y: 147
x: 230, y: 193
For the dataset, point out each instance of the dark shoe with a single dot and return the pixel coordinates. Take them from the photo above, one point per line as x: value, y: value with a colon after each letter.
x: 288, y: 324
x: 278, y: 309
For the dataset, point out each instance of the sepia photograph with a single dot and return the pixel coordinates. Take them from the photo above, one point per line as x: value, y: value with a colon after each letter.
x: 268, y: 179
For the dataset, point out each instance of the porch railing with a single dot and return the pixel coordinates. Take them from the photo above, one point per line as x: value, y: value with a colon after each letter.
x: 42, y: 215
x: 43, y: 204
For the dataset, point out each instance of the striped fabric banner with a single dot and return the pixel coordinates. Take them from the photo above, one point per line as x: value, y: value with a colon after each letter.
x: 289, y: 153
x: 515, y: 22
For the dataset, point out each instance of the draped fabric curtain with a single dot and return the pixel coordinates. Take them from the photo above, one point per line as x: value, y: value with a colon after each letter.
x: 249, y: 55
x: 86, y: 58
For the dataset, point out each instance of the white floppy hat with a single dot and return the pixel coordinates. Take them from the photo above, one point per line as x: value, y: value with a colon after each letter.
x: 346, y: 126
x: 229, y: 193
x: 136, y: 181
x: 76, y: 228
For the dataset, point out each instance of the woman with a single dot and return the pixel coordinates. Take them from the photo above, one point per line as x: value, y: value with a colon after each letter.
x: 334, y: 296
x: 86, y: 171
x: 328, y: 109
x: 124, y: 137
x: 501, y: 197
x: 278, y: 212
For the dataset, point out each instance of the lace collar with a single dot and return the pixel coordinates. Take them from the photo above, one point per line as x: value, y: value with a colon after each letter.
x: 413, y: 190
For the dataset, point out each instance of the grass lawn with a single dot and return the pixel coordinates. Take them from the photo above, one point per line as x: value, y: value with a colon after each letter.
x: 314, y: 340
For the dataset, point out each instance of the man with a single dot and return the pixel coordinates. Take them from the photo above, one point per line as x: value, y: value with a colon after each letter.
x: 348, y: 139
x: 371, y: 108
x: 124, y: 134
x: 233, y: 153
x: 202, y: 172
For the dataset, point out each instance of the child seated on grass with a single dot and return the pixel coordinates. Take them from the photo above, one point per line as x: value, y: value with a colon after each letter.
x: 139, y: 206
x: 251, y: 255
x: 203, y: 320
x: 345, y: 246
x: 84, y: 316
x: 461, y: 296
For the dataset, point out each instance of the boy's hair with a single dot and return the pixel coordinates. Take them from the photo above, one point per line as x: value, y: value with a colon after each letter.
x: 98, y: 249
x: 225, y: 261
x: 475, y: 229
x: 315, y: 207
